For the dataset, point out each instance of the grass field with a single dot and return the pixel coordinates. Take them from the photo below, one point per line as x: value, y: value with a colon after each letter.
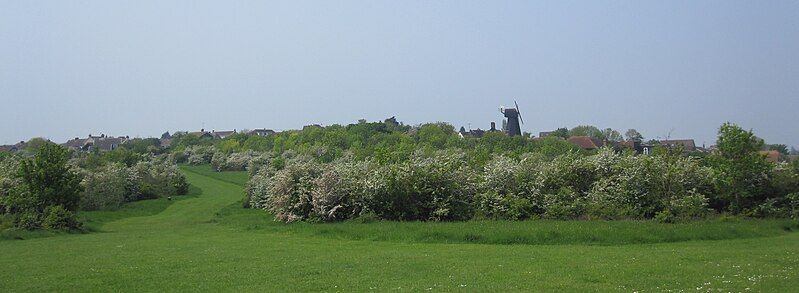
x: 206, y: 242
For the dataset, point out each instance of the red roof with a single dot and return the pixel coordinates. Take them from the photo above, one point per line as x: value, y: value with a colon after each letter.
x: 585, y: 142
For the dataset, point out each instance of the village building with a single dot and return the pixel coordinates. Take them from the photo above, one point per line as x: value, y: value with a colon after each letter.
x: 587, y: 142
x: 261, y: 132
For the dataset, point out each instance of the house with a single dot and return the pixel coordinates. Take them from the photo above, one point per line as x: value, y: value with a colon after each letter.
x: 688, y: 145
x: 476, y: 132
x: 202, y: 134
x: 76, y: 144
x: 261, y: 132
x: 103, y: 142
x: 223, y: 134
x: 100, y: 142
x: 586, y: 142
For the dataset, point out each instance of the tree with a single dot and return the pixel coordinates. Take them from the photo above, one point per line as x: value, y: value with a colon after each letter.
x: 611, y: 135
x: 47, y: 193
x: 634, y: 135
x: 49, y: 181
x: 587, y: 130
x: 561, y: 132
x: 743, y: 171
x: 783, y: 149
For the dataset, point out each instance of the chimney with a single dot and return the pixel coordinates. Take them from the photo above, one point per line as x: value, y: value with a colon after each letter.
x: 493, y: 126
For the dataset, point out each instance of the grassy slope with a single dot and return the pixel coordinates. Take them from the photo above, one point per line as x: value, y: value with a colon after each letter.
x: 181, y: 248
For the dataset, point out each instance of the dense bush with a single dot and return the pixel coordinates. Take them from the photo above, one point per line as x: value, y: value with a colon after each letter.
x: 289, y: 196
x: 198, y: 155
x: 642, y: 186
x: 222, y: 161
x: 340, y: 191
x: 109, y: 187
x: 9, y: 181
x: 440, y: 187
x: 159, y: 178
x: 44, y: 182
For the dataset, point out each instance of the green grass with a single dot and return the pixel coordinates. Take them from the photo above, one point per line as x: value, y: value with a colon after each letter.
x: 202, y: 243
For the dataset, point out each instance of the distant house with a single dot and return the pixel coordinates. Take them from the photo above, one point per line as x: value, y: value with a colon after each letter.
x: 476, y: 132
x: 261, y: 132
x: 75, y: 144
x: 12, y: 147
x: 586, y: 142
x: 103, y: 142
x: 100, y: 142
x: 223, y: 134
x: 202, y: 133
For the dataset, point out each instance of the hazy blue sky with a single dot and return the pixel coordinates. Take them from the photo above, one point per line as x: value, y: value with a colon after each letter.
x: 139, y: 68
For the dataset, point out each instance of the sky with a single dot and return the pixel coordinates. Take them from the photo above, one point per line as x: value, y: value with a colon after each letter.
x: 670, y: 69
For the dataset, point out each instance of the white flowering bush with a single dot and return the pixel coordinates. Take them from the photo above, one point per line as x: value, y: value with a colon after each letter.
x: 108, y: 187
x: 159, y: 178
x: 508, y: 189
x: 232, y: 162
x: 199, y: 155
x: 8, y: 179
x: 440, y: 187
x: 289, y: 196
x: 259, y: 188
x: 642, y: 186
x: 259, y: 161
x: 340, y: 191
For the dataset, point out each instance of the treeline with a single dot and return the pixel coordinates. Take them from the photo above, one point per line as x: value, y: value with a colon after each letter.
x: 382, y: 142
x: 447, y: 184
x: 47, y: 187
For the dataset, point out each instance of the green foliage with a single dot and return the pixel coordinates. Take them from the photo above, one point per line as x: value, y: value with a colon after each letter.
x: 743, y: 173
x: 634, y: 135
x: 587, y: 130
x: 48, y: 180
x: 59, y: 218
x: 45, y: 181
x: 783, y: 149
x: 109, y: 188
x: 440, y: 187
x: 158, y: 179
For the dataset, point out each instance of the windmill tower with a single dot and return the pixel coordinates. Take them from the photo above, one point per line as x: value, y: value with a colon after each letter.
x: 513, y: 116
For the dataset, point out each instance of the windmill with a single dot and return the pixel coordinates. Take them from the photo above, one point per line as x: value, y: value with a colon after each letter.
x: 513, y: 117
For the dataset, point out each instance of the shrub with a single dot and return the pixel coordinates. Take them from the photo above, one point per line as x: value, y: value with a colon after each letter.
x: 340, y: 190
x: 9, y: 181
x: 641, y: 186
x: 199, y: 155
x: 290, y: 193
x: 29, y: 220
x: 441, y: 188
x: 259, y: 188
x: 59, y: 218
x: 159, y: 178
x: 109, y: 187
x: 233, y: 162
x: 508, y: 189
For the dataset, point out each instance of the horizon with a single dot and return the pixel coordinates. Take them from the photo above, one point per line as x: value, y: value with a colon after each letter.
x: 675, y: 70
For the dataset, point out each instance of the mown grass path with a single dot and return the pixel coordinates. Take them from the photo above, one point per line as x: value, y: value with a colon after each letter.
x: 182, y: 249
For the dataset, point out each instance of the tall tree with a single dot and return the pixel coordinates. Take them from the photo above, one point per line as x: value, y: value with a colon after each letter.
x: 587, y: 130
x: 634, y: 135
x: 611, y: 134
x: 743, y: 171
x: 49, y: 181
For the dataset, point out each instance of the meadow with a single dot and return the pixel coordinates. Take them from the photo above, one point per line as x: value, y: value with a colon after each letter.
x: 206, y: 241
